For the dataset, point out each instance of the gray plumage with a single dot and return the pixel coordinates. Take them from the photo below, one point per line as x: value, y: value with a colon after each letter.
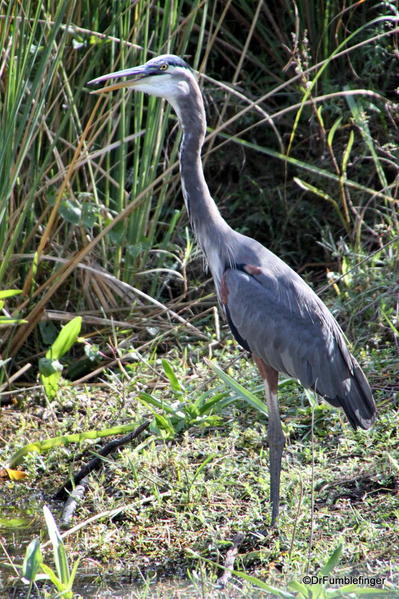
x: 281, y: 320
x: 272, y: 312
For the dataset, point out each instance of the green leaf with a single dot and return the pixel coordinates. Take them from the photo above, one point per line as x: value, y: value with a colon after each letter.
x: 319, y: 192
x: 308, y: 166
x: 246, y: 395
x: 32, y: 561
x: 149, y: 400
x: 48, y: 331
x: 347, y: 152
x: 117, y: 234
x: 12, y: 524
x: 331, y: 562
x: 173, y: 380
x: 52, y: 576
x: 51, y: 384
x: 356, y: 106
x: 390, y: 322
x: 207, y: 406
x: 66, y: 338
x: 299, y: 587
x: 60, y: 557
x: 363, y: 592
x: 9, y: 293
x: 40, y: 446
x: 198, y: 472
x: 74, y: 572
x: 165, y: 424
x: 90, y: 213
x: 48, y: 367
x: 70, y: 212
x: 203, y: 465
x: 333, y: 130
x: 50, y: 376
x: 7, y: 320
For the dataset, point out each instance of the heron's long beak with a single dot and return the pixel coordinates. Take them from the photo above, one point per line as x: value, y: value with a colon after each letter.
x: 137, y: 72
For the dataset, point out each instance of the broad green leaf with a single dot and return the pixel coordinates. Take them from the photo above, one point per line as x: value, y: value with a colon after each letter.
x: 15, y: 523
x: 65, y: 340
x: 299, y: 587
x: 70, y: 212
x: 90, y: 214
x: 48, y: 331
x: 32, y: 561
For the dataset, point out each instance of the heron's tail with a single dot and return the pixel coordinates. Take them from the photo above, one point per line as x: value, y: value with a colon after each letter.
x: 355, y: 397
x: 359, y: 405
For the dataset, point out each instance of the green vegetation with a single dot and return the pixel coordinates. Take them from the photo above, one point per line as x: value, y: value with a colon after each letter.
x: 302, y: 153
x: 35, y: 569
x: 50, y: 366
x: 173, y: 502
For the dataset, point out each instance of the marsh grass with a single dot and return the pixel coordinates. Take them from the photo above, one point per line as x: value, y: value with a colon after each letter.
x: 93, y: 183
x: 173, y: 503
x: 302, y: 154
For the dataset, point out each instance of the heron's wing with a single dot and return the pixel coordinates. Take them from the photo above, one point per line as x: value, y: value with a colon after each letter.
x: 271, y: 319
x: 281, y: 320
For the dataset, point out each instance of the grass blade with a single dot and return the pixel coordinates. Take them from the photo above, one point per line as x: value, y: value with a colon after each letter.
x: 246, y: 395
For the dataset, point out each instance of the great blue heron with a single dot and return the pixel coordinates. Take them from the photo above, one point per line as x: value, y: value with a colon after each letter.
x: 271, y: 311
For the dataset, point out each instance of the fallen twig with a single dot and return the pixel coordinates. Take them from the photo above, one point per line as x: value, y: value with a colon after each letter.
x: 229, y: 561
x: 73, y: 501
x: 96, y: 462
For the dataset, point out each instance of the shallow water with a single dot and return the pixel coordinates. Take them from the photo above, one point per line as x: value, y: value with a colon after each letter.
x: 19, y: 524
x: 167, y: 589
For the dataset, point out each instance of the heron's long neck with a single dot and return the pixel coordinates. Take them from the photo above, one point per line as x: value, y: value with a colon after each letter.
x: 205, y: 217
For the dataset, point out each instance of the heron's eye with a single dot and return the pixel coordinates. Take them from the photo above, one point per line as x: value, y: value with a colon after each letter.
x: 163, y: 66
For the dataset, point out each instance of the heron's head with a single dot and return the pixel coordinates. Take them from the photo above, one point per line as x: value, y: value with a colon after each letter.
x: 165, y: 76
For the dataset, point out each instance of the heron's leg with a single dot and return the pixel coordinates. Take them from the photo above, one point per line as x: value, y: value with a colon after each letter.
x: 275, y: 433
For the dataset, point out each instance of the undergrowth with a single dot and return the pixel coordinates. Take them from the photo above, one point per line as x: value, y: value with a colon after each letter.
x: 302, y: 154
